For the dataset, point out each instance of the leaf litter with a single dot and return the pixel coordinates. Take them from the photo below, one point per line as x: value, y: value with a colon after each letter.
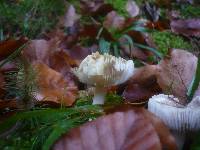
x: 76, y: 36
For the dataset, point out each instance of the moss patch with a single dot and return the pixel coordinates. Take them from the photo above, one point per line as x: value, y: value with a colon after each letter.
x: 119, y: 6
x: 189, y: 11
x: 30, y: 17
x: 166, y: 40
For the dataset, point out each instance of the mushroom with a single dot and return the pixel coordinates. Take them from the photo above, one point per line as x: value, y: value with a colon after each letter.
x: 103, y: 71
x: 179, y: 118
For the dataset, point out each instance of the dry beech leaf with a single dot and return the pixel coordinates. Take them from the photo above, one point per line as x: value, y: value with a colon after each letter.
x: 167, y: 140
x: 90, y: 6
x: 143, y: 73
x: 62, y: 62
x: 132, y: 8
x: 175, y: 73
x: 137, y: 92
x: 78, y: 53
x: 128, y: 130
x: 102, y: 10
x: 188, y: 27
x: 70, y: 17
x: 159, y: 25
x: 40, y: 50
x: 113, y: 20
x: 4, y: 104
x: 7, y: 47
x: 53, y: 87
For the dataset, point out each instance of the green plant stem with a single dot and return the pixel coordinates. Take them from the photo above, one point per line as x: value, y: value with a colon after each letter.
x: 195, y: 82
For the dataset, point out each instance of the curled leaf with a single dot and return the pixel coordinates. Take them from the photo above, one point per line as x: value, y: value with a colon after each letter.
x: 53, y: 86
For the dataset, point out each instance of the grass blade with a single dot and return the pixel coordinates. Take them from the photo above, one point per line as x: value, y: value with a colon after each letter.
x: 155, y: 51
x: 12, y: 56
x: 195, y: 82
x: 104, y: 46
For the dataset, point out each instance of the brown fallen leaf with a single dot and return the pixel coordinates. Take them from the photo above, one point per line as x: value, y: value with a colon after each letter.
x: 40, y: 50
x: 113, y: 20
x: 121, y: 130
x: 143, y: 73
x: 102, y: 10
x: 132, y: 8
x: 7, y: 47
x: 188, y: 27
x: 159, y: 25
x: 4, y: 104
x: 175, y: 73
x: 70, y: 17
x: 61, y: 62
x: 53, y: 87
x: 90, y: 6
x: 140, y: 92
x: 167, y: 140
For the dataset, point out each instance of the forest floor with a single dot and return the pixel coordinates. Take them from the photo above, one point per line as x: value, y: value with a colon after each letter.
x: 45, y: 99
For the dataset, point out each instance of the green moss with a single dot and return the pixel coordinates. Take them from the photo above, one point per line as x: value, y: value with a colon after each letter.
x: 166, y: 40
x: 30, y: 17
x: 111, y: 99
x: 119, y: 6
x: 189, y: 11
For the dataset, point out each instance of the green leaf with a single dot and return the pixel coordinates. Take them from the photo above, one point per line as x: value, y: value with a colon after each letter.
x: 116, y: 50
x: 195, y: 82
x: 99, y: 33
x: 130, y: 41
x: 104, y: 46
x: 139, y: 29
x: 136, y: 26
x: 1, y: 34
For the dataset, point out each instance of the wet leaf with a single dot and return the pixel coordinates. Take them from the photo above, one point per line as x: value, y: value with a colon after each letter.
x: 53, y: 86
x: 70, y: 17
x: 188, y: 27
x: 132, y: 8
x: 159, y: 25
x: 140, y: 92
x: 8, y: 104
x: 167, y: 140
x: 175, y: 73
x: 102, y: 10
x: 40, y: 50
x: 9, y: 46
x: 113, y: 20
x: 121, y: 130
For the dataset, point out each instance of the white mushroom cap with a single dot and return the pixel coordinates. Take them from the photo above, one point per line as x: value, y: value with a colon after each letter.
x: 176, y: 116
x: 104, y: 70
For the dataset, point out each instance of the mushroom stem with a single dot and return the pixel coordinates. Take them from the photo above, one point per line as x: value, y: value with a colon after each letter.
x: 99, y: 95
